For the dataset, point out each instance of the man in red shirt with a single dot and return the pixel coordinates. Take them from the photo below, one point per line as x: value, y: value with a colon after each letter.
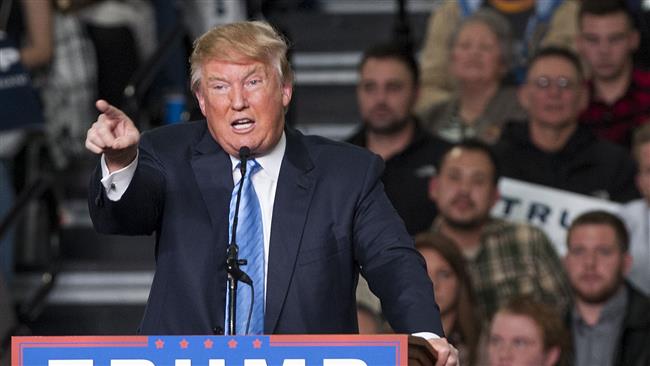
x: 620, y: 93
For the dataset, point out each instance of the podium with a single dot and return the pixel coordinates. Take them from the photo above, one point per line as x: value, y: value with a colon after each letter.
x: 281, y: 350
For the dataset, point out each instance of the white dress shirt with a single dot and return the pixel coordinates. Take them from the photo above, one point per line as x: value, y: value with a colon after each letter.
x: 265, y: 182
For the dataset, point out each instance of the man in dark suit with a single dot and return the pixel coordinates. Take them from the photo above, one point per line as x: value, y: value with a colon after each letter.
x: 325, y: 216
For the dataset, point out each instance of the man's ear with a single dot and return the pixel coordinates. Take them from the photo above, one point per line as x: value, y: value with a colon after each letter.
x: 522, y: 96
x: 552, y: 356
x: 627, y: 263
x: 287, y: 92
x: 433, y: 186
x: 639, y: 184
x: 496, y: 195
x: 200, y: 99
x: 416, y: 94
x: 635, y: 40
x: 583, y: 102
x: 580, y: 44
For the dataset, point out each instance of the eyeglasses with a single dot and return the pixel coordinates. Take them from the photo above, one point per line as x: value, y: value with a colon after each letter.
x: 562, y: 83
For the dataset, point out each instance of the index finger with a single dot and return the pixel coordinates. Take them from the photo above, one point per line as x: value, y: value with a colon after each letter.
x: 109, y: 110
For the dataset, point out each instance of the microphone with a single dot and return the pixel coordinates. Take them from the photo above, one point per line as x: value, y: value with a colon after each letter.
x: 233, y: 262
x: 244, y: 155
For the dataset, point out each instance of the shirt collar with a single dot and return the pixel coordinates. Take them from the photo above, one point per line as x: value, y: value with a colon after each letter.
x: 613, y: 310
x: 270, y: 162
x: 629, y: 92
x: 617, y: 304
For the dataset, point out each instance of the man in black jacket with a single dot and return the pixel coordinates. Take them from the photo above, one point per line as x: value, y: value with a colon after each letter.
x: 610, y: 321
x: 386, y: 93
x: 552, y: 149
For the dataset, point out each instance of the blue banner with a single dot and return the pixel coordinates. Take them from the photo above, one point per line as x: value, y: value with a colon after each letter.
x: 280, y: 350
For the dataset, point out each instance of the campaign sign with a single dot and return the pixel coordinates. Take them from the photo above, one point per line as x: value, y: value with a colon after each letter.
x: 550, y: 209
x: 280, y: 350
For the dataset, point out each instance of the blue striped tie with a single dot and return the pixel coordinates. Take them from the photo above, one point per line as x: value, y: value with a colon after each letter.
x: 250, y: 239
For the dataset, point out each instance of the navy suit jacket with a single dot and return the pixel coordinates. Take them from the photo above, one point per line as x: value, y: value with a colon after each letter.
x: 331, y: 220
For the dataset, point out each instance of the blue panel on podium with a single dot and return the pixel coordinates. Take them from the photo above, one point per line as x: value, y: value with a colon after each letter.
x: 281, y: 350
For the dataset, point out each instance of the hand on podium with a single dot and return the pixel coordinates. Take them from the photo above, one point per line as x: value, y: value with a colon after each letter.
x: 446, y: 353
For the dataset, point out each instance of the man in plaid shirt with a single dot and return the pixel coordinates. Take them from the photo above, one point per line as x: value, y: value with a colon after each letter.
x: 504, y: 259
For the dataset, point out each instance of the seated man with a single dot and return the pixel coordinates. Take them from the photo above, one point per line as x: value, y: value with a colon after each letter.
x: 619, y: 91
x: 387, y: 90
x: 610, y: 320
x: 552, y: 149
x: 503, y: 259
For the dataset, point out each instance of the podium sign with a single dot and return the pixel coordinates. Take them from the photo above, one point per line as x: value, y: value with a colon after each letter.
x: 280, y: 350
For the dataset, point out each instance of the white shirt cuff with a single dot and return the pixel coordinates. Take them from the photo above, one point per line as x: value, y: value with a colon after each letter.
x: 118, y: 181
x: 426, y: 335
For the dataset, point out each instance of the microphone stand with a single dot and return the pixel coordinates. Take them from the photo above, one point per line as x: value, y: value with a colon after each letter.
x: 233, y: 262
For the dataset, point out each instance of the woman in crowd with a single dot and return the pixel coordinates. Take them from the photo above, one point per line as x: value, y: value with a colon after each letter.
x: 534, y: 24
x: 454, y: 294
x: 480, y: 54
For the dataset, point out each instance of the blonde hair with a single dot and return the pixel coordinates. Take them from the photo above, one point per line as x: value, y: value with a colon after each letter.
x: 241, y: 41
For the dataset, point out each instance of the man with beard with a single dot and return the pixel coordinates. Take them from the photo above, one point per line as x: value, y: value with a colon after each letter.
x: 620, y: 93
x: 503, y: 259
x: 610, y: 320
x: 386, y: 93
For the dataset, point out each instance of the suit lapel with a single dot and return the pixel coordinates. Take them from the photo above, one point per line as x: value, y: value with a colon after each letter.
x: 211, y: 166
x: 292, y: 199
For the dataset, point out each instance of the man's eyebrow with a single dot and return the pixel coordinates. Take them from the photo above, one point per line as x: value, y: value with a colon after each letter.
x: 216, y: 78
x: 254, y: 70
x: 250, y: 72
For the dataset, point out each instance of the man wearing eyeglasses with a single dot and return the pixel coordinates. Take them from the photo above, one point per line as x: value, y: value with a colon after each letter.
x: 620, y: 92
x: 552, y: 149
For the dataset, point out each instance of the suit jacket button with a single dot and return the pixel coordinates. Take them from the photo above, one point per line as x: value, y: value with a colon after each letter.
x: 217, y: 330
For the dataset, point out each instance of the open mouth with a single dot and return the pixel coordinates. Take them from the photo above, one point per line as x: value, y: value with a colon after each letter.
x: 242, y: 124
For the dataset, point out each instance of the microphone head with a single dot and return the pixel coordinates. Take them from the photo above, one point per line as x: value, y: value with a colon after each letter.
x: 244, y: 153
